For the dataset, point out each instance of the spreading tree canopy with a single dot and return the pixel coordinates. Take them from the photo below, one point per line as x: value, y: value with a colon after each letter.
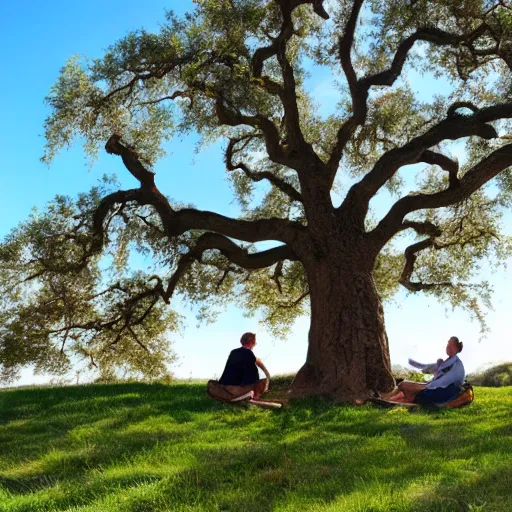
x: 238, y: 71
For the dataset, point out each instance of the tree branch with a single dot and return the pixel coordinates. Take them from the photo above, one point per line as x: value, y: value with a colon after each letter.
x: 230, y: 117
x: 447, y: 164
x: 451, y: 128
x: 231, y: 251
x: 287, y: 6
x: 476, y: 177
x: 358, y: 93
x: 410, y: 260
x: 428, y: 34
x: 412, y: 251
x: 171, y: 97
x: 284, y: 187
x: 288, y: 93
x: 452, y: 110
x: 296, y: 302
x: 136, y: 338
x: 176, y: 223
x: 131, y: 161
x: 422, y: 228
x: 359, y: 88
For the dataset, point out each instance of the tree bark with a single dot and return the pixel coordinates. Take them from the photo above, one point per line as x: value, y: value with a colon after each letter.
x: 348, y: 354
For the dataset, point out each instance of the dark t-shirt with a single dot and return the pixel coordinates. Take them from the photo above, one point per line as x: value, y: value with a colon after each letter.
x: 240, y: 368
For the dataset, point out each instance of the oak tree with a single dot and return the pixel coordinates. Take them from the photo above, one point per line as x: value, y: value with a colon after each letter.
x: 308, y: 237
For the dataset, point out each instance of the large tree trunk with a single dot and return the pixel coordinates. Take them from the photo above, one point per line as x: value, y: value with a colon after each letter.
x: 348, y: 355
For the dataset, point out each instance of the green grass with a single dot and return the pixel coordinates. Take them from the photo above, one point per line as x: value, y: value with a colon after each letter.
x: 139, y: 448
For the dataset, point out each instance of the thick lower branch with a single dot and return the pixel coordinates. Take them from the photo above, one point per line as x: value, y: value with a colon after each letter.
x: 176, y: 223
x: 231, y: 251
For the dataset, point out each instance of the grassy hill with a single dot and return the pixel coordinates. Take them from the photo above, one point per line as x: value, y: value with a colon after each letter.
x: 139, y: 448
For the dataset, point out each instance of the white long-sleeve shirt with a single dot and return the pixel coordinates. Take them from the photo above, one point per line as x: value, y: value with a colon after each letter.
x: 450, y: 371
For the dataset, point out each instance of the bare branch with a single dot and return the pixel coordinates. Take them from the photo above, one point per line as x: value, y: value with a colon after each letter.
x: 358, y: 93
x: 288, y: 92
x: 463, y: 243
x: 278, y: 273
x: 287, y: 6
x: 231, y: 117
x: 131, y: 160
x: 136, y: 338
x: 147, y: 72
x: 296, y: 302
x: 144, y: 219
x: 226, y: 273
x: 318, y: 7
x: 429, y: 34
x: 346, y: 43
x: 429, y: 243
x: 461, y: 104
x: 171, y: 97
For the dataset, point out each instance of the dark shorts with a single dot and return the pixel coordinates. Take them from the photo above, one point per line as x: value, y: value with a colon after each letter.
x: 437, y: 396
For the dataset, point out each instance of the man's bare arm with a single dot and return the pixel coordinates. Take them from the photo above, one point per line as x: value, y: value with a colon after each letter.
x: 259, y: 364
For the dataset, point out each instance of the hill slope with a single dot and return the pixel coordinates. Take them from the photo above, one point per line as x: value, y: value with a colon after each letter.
x: 141, y: 448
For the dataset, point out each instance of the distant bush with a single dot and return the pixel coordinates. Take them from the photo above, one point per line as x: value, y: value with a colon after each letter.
x: 494, y: 377
x: 400, y: 372
x: 281, y: 382
x: 112, y: 378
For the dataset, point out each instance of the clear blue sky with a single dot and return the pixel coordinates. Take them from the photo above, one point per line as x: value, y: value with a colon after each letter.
x: 35, y: 41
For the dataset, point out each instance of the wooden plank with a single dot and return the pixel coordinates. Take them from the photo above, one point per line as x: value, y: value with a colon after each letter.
x: 268, y: 405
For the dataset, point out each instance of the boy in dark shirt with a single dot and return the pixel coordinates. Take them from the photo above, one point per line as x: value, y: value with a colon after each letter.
x: 240, y: 377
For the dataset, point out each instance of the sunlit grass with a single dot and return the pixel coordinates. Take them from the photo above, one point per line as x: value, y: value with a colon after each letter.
x: 141, y: 448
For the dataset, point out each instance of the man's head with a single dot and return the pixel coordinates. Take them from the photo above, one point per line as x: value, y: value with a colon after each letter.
x: 454, y: 346
x: 248, y: 340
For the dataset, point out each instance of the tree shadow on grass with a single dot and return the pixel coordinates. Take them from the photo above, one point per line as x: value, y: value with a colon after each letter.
x: 145, y: 448
x: 64, y: 421
x: 486, y: 491
x: 262, y: 477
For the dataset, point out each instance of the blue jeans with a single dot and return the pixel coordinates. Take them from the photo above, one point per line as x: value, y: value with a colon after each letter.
x: 437, y: 396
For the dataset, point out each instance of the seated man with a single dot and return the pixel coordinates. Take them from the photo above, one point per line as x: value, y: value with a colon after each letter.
x: 240, y: 377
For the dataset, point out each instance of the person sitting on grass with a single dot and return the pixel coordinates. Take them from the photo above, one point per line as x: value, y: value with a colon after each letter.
x: 442, y: 388
x: 241, y: 377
